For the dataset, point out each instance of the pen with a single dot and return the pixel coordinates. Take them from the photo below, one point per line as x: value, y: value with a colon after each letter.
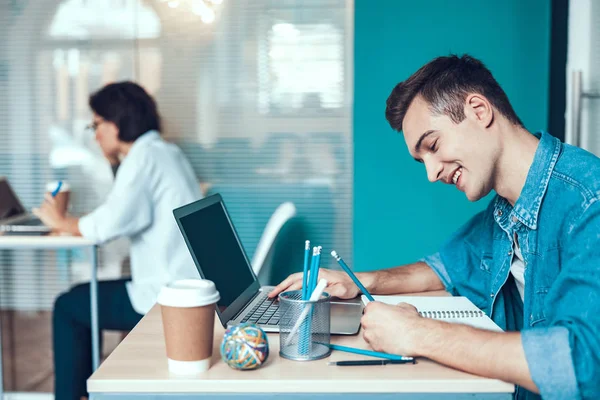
x: 370, y: 362
x: 351, y: 275
x: 55, y: 192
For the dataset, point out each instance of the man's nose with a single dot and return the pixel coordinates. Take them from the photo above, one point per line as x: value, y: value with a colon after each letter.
x: 434, y: 170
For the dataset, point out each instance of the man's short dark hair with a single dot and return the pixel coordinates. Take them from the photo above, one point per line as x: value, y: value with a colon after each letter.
x: 129, y: 107
x: 444, y: 83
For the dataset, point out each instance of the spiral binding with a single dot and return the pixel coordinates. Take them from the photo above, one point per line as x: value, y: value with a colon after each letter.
x: 451, y: 314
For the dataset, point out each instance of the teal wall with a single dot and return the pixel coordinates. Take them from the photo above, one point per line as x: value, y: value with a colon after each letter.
x: 399, y: 216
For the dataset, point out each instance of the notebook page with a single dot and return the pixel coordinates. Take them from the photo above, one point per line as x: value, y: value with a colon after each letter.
x: 451, y: 309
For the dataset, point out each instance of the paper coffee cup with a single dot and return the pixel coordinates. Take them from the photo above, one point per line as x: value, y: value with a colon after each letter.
x: 62, y: 197
x: 188, y: 314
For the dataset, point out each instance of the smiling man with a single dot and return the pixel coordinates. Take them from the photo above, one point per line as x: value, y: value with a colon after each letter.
x: 531, y: 260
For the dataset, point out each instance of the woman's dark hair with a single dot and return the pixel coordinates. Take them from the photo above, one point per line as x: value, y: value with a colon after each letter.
x: 129, y: 107
x: 445, y: 83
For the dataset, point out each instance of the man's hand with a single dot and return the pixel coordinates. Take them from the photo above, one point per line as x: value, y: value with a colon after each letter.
x: 392, y: 329
x: 401, y: 330
x: 339, y: 284
x: 49, y: 214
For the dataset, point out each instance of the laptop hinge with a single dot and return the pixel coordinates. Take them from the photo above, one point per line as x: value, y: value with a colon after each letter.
x: 247, y: 304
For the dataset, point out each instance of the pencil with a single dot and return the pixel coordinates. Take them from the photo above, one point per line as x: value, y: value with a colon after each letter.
x: 351, y: 275
x: 312, y: 279
x: 305, y: 273
x: 372, y: 353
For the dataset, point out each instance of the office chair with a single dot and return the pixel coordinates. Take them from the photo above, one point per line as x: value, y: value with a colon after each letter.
x: 280, y: 217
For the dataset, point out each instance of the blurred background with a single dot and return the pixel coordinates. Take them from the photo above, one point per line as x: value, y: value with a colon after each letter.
x: 272, y: 101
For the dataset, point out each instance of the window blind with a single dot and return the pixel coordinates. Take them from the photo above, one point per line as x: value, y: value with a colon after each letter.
x: 258, y: 94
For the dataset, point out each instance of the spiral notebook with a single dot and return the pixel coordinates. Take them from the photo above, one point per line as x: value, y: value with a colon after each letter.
x: 451, y: 309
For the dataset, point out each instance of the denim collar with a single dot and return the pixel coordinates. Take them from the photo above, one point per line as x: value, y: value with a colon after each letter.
x: 527, y: 207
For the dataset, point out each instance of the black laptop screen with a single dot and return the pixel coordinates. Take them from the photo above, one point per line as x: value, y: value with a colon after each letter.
x: 212, y: 241
x: 9, y: 204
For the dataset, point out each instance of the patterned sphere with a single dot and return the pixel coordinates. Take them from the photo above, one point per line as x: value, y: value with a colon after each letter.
x: 245, y: 346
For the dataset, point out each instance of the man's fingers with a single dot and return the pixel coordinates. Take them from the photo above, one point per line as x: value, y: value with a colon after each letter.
x: 406, y: 306
x: 367, y: 336
x: 363, y: 321
x: 286, y: 283
x: 336, y: 290
x: 295, y: 286
x: 370, y: 306
x: 276, y: 290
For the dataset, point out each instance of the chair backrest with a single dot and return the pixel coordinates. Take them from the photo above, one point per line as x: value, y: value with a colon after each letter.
x: 251, y: 205
x: 281, y: 215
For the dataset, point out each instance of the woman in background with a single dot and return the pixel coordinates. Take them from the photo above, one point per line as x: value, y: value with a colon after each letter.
x: 153, y: 178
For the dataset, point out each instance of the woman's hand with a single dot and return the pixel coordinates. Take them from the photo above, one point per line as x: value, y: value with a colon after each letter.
x: 49, y: 214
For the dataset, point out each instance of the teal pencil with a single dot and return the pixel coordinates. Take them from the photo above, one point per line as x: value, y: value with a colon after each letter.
x: 317, y: 265
x: 304, y: 338
x: 352, y: 276
x: 312, y: 278
x: 305, y: 272
x: 371, y: 353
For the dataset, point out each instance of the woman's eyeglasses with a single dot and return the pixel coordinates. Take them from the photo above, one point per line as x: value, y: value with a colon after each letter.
x: 93, y: 126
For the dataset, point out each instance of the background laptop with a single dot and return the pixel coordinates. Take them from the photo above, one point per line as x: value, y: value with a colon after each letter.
x: 14, y: 219
x: 219, y: 256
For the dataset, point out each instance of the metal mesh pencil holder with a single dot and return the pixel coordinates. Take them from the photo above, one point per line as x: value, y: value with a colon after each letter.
x: 304, y: 326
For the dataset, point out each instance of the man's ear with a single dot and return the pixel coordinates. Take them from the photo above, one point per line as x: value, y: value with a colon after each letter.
x: 480, y: 109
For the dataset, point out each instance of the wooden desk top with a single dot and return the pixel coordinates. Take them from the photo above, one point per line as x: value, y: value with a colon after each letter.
x: 139, y: 364
x: 42, y: 241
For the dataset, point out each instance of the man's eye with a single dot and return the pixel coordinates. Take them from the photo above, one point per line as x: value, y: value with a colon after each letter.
x: 433, y: 146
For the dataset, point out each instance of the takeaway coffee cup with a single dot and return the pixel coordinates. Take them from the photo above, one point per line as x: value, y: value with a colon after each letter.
x: 188, y: 315
x: 62, y: 197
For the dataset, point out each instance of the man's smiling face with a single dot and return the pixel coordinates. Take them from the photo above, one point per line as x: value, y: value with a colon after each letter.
x: 462, y: 154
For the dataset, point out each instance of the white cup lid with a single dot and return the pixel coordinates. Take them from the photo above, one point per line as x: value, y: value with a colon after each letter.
x: 51, y: 186
x: 188, y: 293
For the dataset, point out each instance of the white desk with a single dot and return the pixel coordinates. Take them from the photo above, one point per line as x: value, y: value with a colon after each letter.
x: 49, y: 242
x: 138, y: 368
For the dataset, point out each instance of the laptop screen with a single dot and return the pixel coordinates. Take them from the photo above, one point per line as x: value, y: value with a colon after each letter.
x: 218, y: 254
x: 9, y: 203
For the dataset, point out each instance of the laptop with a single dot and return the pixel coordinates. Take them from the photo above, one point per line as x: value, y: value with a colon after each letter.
x: 14, y: 219
x: 220, y: 257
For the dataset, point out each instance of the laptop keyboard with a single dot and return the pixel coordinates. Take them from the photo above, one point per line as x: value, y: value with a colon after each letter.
x: 265, y: 312
x: 32, y: 221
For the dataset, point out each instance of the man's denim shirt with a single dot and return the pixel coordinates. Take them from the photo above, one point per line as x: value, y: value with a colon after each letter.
x: 557, y: 222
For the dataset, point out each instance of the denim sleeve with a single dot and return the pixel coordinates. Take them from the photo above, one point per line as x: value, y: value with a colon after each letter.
x: 458, y: 261
x: 552, y: 371
x: 434, y: 261
x: 564, y: 358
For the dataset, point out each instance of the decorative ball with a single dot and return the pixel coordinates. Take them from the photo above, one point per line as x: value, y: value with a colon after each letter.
x: 245, y: 346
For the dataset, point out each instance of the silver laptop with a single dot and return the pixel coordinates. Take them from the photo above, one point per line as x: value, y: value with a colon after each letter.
x: 219, y: 256
x: 14, y: 219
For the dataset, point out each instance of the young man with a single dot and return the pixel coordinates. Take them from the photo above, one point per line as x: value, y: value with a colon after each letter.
x: 153, y: 178
x: 531, y: 260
